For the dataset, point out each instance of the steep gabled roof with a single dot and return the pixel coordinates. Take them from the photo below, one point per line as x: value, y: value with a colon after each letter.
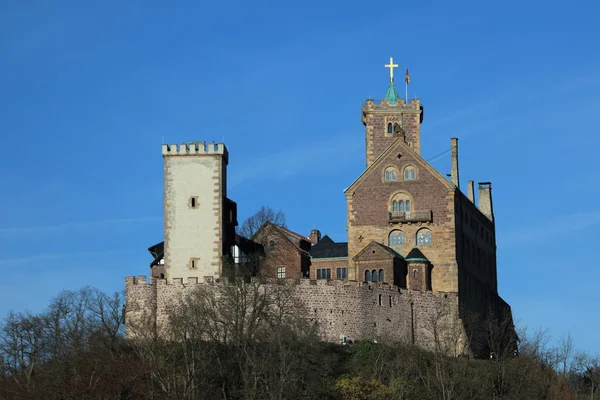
x: 285, y: 233
x: 327, y: 248
x: 418, y: 159
x: 391, y: 252
x: 416, y: 255
x: 294, y: 234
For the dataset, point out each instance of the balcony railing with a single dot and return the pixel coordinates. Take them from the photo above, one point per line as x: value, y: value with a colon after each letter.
x: 411, y: 216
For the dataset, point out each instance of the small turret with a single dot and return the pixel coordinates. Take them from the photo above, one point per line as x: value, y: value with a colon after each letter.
x: 419, y: 271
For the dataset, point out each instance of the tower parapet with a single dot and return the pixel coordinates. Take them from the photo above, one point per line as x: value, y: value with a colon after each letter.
x: 194, y: 148
x: 384, y: 122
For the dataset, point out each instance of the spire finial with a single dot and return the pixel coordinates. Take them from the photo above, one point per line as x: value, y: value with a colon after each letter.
x: 391, y: 66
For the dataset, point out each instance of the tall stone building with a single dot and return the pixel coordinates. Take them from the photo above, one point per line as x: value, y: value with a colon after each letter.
x: 409, y: 228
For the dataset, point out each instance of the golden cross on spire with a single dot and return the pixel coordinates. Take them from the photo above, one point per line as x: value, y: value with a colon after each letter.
x: 391, y: 66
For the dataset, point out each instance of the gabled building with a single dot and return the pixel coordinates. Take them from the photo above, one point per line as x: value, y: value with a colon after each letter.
x: 287, y: 253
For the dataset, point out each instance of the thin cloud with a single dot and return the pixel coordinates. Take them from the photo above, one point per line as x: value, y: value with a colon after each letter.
x: 559, y: 226
x: 41, y: 229
x: 289, y: 163
x: 50, y: 257
x: 482, y: 115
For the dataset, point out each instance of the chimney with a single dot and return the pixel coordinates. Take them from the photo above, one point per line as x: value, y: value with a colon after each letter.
x: 454, y: 172
x: 471, y: 191
x: 314, y: 236
x: 485, y: 200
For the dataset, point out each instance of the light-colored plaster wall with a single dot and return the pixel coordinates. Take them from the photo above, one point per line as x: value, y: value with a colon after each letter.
x: 193, y: 233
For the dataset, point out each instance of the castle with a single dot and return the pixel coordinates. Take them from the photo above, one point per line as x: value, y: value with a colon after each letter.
x: 416, y: 243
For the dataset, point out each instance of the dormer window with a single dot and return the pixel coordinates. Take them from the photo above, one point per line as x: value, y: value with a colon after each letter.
x: 390, y: 128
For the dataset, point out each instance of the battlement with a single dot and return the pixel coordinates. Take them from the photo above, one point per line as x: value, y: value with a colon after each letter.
x: 339, y: 308
x: 194, y: 149
x: 296, y: 282
x: 401, y: 105
x: 142, y: 280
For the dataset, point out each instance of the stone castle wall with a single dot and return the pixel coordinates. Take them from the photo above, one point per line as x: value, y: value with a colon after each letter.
x: 349, y: 309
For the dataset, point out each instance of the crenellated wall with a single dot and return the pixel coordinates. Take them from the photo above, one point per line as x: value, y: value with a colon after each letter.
x: 194, y: 148
x: 349, y: 309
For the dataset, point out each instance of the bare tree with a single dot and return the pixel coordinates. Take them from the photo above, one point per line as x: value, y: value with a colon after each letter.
x: 565, y: 352
x: 586, y: 369
x: 242, y: 339
x: 265, y: 214
x: 23, y: 345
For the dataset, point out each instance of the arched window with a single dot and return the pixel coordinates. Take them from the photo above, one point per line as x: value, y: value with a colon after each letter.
x: 391, y: 174
x: 390, y: 128
x: 424, y: 237
x: 415, y: 273
x: 396, y: 238
x: 375, y: 276
x: 367, y: 276
x: 410, y: 174
x: 401, y: 203
x: 405, y: 206
x: 380, y: 275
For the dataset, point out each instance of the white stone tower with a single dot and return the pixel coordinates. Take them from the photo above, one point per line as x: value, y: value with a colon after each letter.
x: 195, y: 193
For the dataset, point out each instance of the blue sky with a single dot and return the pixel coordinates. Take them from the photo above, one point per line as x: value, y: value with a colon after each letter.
x: 89, y: 90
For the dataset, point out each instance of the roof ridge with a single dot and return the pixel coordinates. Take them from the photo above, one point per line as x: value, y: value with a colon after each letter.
x: 286, y: 230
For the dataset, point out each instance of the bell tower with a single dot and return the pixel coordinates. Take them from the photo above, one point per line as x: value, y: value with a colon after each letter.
x: 391, y: 118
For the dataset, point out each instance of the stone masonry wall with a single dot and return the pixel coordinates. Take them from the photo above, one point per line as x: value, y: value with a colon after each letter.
x: 376, y: 116
x: 369, y: 204
x: 342, y: 308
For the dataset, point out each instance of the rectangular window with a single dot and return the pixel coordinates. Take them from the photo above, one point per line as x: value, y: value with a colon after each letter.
x: 323, y: 273
x: 280, y: 272
x: 342, y: 273
x: 193, y: 264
